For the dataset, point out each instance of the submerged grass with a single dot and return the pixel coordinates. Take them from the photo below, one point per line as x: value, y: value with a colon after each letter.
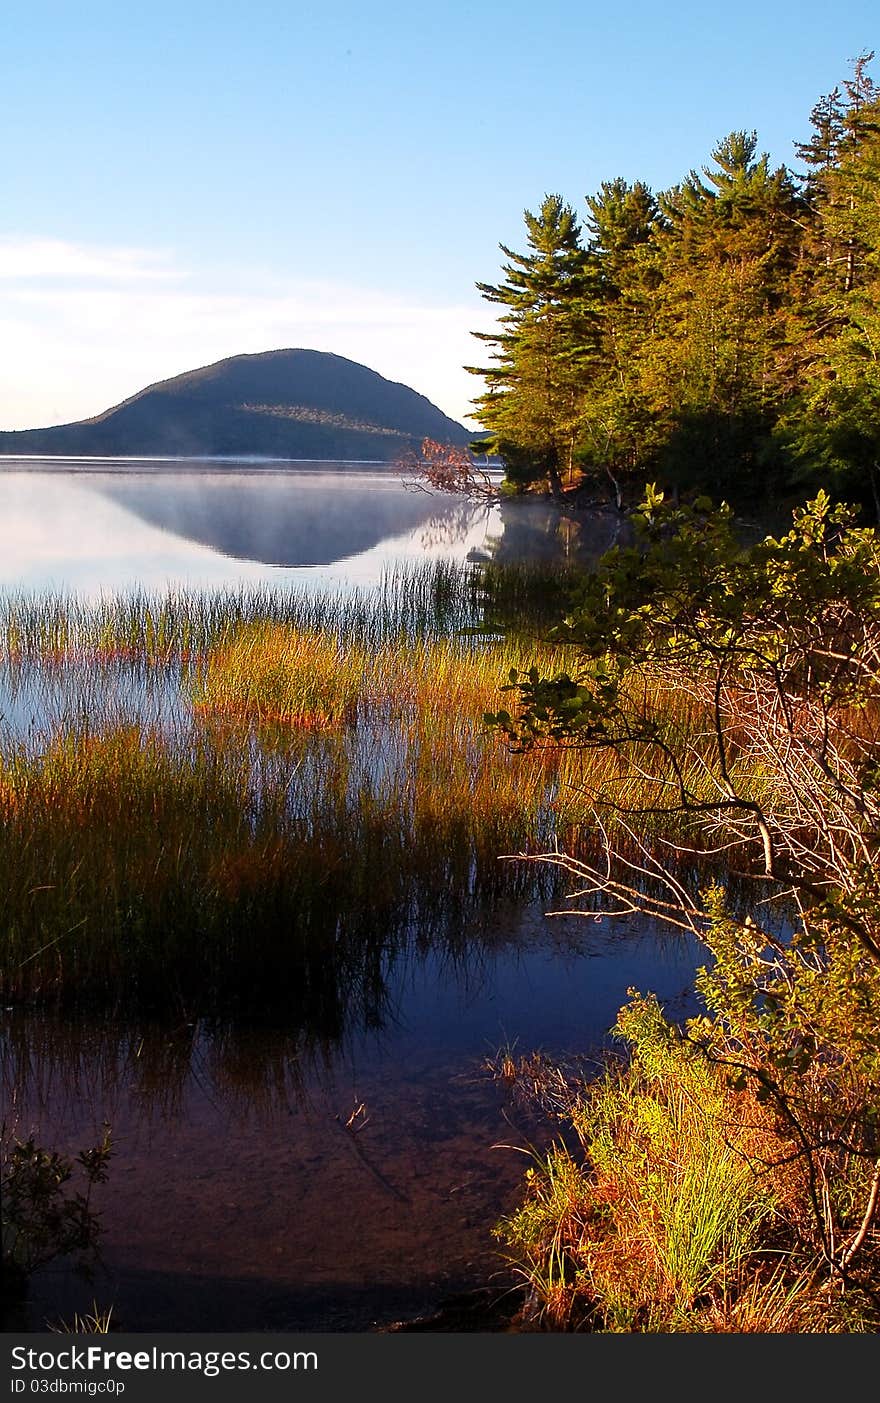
x: 230, y: 853
x: 216, y: 868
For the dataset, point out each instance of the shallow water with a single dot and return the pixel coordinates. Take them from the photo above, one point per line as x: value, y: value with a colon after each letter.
x: 301, y: 1175
x: 237, y: 1197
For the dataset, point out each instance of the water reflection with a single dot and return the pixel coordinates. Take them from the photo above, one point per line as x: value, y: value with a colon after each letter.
x: 292, y: 519
x: 257, y: 1184
x: 531, y: 983
x: 113, y: 531
x: 89, y: 528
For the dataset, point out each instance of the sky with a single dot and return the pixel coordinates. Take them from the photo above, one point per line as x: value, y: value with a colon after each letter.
x: 192, y: 180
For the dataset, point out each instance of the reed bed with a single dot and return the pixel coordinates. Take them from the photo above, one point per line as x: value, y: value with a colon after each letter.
x: 274, y: 672
x: 437, y: 599
x: 419, y: 601
x: 205, y: 872
x: 259, y: 800
x: 288, y: 672
x: 524, y: 596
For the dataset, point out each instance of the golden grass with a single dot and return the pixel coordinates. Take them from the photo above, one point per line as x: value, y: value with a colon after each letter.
x: 669, y: 1203
x: 278, y: 673
x: 299, y: 749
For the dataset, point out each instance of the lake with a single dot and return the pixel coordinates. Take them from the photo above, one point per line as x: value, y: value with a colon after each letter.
x: 339, y: 1163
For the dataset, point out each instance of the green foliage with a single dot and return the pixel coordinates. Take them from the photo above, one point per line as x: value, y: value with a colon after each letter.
x: 778, y: 646
x: 543, y: 347
x: 44, y: 1214
x: 665, y: 1204
x: 830, y: 428
x: 688, y: 593
x: 720, y: 336
x: 558, y: 707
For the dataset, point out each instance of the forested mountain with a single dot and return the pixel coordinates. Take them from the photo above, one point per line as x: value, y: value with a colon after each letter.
x: 284, y: 404
x: 722, y: 335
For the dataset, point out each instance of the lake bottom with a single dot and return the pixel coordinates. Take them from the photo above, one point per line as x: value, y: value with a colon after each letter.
x: 262, y: 1182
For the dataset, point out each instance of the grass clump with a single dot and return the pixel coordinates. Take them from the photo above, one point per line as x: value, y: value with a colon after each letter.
x: 97, y: 1321
x: 673, y: 1204
x: 665, y: 1202
x: 279, y: 673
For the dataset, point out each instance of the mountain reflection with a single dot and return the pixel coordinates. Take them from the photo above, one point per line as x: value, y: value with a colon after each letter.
x: 98, y: 526
x: 290, y: 519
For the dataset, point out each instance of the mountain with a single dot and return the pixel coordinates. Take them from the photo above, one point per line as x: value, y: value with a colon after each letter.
x: 277, y: 404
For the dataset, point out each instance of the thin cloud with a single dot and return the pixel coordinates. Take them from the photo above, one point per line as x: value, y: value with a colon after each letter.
x: 73, y: 343
x: 36, y: 258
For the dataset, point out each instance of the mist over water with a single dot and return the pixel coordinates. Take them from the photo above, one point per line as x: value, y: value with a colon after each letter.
x: 89, y: 529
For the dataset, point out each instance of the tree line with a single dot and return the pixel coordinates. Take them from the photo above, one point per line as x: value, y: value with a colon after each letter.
x: 721, y: 336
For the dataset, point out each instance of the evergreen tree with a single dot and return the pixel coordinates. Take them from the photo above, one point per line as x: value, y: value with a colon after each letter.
x: 617, y: 427
x: 820, y: 153
x: 621, y: 220
x: 834, y: 427
x: 544, y: 346
x: 723, y: 336
x: 842, y: 129
x: 715, y: 366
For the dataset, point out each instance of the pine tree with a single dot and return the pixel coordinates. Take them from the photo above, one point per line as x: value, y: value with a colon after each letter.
x: 544, y: 346
x: 621, y: 220
x: 820, y: 153
x: 714, y: 368
x: 834, y: 429
x: 617, y: 428
x: 724, y: 335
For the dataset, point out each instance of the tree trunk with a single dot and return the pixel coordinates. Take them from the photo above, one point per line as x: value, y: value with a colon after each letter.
x: 614, y: 484
x: 555, y: 481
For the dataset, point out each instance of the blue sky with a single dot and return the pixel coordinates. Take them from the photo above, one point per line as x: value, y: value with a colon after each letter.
x: 186, y: 181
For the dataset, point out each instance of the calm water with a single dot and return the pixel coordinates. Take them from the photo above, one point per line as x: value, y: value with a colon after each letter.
x: 93, y: 528
x: 310, y: 1175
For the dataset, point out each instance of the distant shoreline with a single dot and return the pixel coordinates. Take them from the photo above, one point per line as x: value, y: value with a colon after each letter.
x: 216, y: 466
x: 37, y: 462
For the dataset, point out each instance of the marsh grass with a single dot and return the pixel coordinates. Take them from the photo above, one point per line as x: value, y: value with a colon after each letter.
x: 418, y: 601
x: 97, y: 1321
x: 256, y: 800
x: 524, y: 597
x: 209, y: 869
x: 274, y: 672
x: 667, y: 1203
